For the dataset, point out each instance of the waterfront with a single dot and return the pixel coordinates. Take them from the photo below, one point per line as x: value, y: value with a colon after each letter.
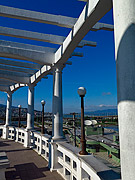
x: 115, y: 128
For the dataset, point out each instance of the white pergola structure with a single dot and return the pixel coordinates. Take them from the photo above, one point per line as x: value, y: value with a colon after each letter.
x: 43, y: 60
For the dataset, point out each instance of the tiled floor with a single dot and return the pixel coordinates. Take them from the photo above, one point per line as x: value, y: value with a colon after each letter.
x: 25, y: 164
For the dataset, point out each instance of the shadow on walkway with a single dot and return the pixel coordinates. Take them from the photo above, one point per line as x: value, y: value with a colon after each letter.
x: 26, y: 171
x: 26, y: 164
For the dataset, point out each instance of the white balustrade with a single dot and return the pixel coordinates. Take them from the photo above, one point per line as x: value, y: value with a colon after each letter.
x: 21, y: 135
x: 39, y: 142
x: 41, y: 145
x: 11, y: 131
x: 69, y: 164
x: 73, y: 166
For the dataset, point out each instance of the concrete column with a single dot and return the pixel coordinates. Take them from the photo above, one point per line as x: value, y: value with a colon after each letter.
x: 124, y: 25
x: 57, y: 107
x: 30, y: 114
x: 8, y: 116
x: 8, y: 109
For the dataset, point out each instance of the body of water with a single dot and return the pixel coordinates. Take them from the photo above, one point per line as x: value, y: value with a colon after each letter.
x: 115, y: 128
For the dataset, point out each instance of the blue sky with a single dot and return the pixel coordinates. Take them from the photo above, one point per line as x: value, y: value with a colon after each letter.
x: 96, y: 71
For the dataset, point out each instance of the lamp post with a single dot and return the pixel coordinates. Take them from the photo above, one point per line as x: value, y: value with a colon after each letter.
x: 82, y: 91
x: 74, y: 127
x: 19, y: 121
x: 42, y: 129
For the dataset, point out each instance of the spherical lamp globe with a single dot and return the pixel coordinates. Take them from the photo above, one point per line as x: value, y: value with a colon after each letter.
x: 43, y: 102
x: 81, y: 91
x: 19, y: 106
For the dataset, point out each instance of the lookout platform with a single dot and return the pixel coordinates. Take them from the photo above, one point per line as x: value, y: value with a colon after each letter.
x: 25, y: 164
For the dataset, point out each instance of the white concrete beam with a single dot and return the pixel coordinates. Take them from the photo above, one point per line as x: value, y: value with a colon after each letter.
x: 18, y: 74
x: 5, y: 82
x: 91, y: 14
x: 27, y: 46
x: 20, y: 64
x: 14, y: 87
x: 79, y: 54
x: 14, y: 76
x: 68, y: 63
x: 87, y: 43
x: 40, y: 74
x: 5, y: 88
x: 50, y: 38
x: 28, y: 15
x: 37, y: 54
x: 15, y: 69
x: 103, y: 26
x: 55, y: 39
x: 45, y: 77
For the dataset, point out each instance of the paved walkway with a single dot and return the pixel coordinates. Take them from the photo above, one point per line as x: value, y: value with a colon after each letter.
x: 25, y: 164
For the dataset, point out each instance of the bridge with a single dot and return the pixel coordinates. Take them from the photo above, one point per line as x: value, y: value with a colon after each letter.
x: 25, y: 65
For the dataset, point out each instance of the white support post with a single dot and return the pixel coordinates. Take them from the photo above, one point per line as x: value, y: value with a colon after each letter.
x: 30, y: 116
x: 57, y: 106
x: 8, y: 115
x: 57, y: 119
x: 8, y: 109
x: 124, y: 26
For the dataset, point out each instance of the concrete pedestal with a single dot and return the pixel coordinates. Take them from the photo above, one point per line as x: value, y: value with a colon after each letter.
x: 5, y: 132
x: 53, y: 154
x: 27, y: 139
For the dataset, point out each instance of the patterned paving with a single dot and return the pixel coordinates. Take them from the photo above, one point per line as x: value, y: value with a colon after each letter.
x: 25, y: 164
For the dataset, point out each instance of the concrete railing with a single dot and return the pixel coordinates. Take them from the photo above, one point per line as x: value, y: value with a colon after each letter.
x: 72, y: 166
x: 62, y: 156
x: 11, y: 133
x: 41, y: 145
x: 33, y: 139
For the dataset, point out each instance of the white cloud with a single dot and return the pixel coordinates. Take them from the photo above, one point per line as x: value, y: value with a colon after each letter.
x: 106, y: 93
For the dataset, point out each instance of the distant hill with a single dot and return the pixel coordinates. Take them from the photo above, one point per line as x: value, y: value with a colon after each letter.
x: 23, y: 112
x: 2, y: 105
x: 106, y: 112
